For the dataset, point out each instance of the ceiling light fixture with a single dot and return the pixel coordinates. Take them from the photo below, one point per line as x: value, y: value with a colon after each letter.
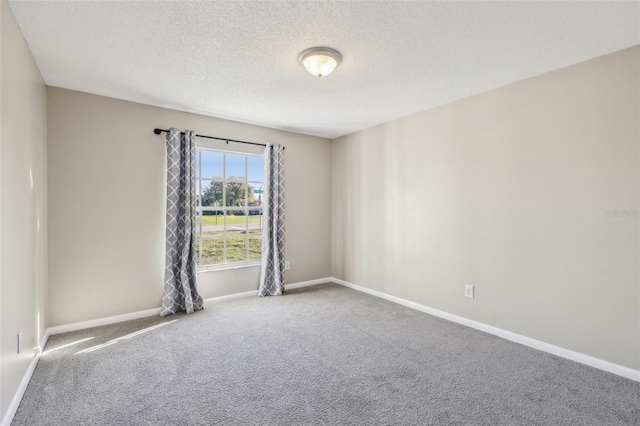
x: 320, y: 61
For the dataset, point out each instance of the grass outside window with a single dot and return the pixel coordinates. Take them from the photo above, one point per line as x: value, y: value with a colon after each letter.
x: 229, y: 202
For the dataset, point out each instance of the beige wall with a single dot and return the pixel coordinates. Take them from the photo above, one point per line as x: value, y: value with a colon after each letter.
x: 506, y: 191
x: 107, y: 201
x: 23, y: 211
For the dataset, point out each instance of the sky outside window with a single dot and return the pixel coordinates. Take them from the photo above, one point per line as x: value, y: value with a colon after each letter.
x: 235, y: 166
x: 211, y: 164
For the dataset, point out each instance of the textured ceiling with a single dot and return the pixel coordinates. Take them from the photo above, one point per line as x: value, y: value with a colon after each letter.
x: 239, y: 60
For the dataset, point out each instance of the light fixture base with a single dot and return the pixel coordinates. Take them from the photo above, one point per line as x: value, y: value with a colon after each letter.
x: 320, y: 61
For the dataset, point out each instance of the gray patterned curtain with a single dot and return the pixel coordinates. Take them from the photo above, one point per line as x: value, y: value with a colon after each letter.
x: 180, y: 292
x: 272, y: 271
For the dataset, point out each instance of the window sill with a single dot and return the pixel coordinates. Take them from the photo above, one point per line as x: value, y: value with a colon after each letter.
x: 227, y: 267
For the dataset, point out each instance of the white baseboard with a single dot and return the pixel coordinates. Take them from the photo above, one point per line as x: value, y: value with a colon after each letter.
x: 44, y: 340
x: 620, y: 370
x: 536, y: 344
x: 17, y: 397
x: 308, y: 283
x: 102, y: 321
x: 228, y: 297
x: 254, y: 293
x: 15, y: 402
x: 156, y: 311
x: 13, y: 407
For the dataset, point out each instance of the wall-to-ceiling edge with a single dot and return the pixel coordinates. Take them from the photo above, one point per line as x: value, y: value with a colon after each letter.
x: 529, y: 192
x: 107, y: 204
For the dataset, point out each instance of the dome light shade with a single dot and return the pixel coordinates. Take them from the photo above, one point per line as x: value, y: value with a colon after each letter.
x: 320, y: 61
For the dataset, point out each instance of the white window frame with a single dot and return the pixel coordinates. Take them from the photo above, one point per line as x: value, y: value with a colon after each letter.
x: 225, y: 210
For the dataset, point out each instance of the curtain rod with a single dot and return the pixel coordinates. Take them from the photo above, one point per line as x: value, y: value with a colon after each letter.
x: 158, y: 131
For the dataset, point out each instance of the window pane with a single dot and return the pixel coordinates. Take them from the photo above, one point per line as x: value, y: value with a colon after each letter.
x: 255, y: 194
x: 212, y: 251
x: 255, y: 166
x: 255, y: 248
x: 236, y: 193
x: 211, y: 164
x: 233, y: 235
x: 211, y: 193
x: 255, y: 222
x: 212, y: 223
x: 236, y: 223
x: 236, y: 249
x: 235, y: 166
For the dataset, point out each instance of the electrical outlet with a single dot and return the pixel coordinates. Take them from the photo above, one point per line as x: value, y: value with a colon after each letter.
x: 287, y: 265
x: 468, y: 291
x: 19, y: 341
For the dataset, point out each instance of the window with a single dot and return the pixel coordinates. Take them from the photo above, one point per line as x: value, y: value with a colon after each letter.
x: 229, y: 208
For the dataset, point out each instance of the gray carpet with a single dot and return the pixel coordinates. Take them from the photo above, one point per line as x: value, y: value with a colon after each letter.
x: 319, y: 355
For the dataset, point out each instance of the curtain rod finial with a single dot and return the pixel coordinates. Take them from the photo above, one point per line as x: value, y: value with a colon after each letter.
x: 157, y: 131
